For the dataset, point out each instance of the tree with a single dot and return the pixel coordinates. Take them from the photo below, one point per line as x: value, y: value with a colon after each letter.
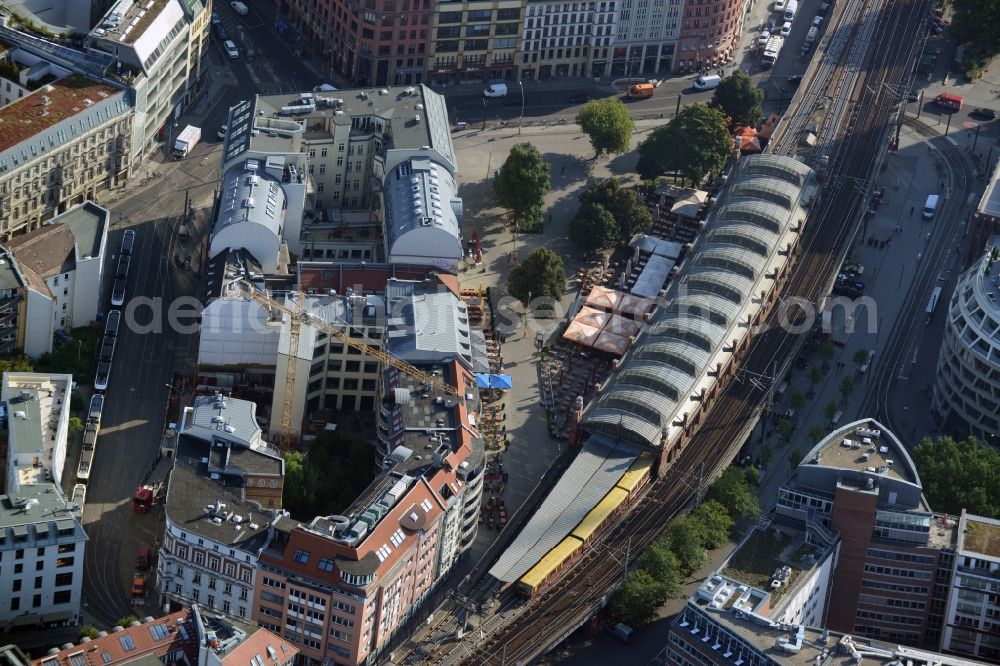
x: 734, y: 494
x: 816, y: 433
x: 959, y: 474
x: 695, y: 144
x: 794, y: 459
x: 660, y: 563
x: 299, y: 481
x: 752, y: 476
x: 126, y: 620
x: 740, y: 99
x: 623, y: 203
x: 607, y: 124
x: 636, y: 602
x: 594, y: 228
x: 16, y: 363
x: 815, y: 376
x: 860, y: 356
x: 89, y: 631
x: 826, y: 350
x: 685, y: 535
x: 830, y: 409
x: 75, y: 425
x: 785, y: 428
x: 797, y: 401
x: 76, y: 403
x: 846, y: 386
x: 975, y: 24
x: 523, y: 182
x: 540, y: 274
x: 767, y: 451
x: 717, y: 523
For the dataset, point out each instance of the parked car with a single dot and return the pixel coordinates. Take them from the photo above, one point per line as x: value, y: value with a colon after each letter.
x: 764, y: 36
x: 848, y: 288
x: 795, y: 80
x: 324, y: 87
x: 215, y: 19
x: 786, y: 29
x: 579, y: 99
x: 983, y: 114
x: 779, y: 5
x: 222, y: 131
x: 817, y: 21
x: 824, y: 8
x: 231, y: 49
x: 142, y: 559
x: 239, y: 8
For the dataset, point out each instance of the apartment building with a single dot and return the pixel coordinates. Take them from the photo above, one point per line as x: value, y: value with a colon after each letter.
x: 984, y: 223
x: 561, y: 39
x: 709, y: 33
x: 157, y: 48
x: 381, y: 44
x: 340, y: 587
x: 188, y: 637
x: 475, y: 41
x: 41, y: 536
x: 64, y: 142
x: 972, y: 622
x: 345, y: 584
x: 331, y: 157
x: 59, y: 269
x: 966, y: 393
x: 223, y: 497
x: 646, y: 35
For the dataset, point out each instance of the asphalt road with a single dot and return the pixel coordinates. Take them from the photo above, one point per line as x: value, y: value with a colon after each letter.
x: 147, y: 353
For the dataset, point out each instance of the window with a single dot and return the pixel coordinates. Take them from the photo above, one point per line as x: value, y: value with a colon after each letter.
x: 326, y: 564
x: 62, y: 597
x: 301, y: 556
x: 322, y: 152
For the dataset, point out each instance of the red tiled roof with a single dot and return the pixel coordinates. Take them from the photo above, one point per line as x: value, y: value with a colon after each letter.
x: 30, y: 115
x: 134, y: 642
x: 257, y: 644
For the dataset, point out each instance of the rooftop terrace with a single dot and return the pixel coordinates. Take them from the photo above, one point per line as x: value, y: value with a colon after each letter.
x: 772, y: 561
x: 982, y: 536
x: 48, y: 106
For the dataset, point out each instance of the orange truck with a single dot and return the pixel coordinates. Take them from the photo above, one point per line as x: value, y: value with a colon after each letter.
x: 640, y: 91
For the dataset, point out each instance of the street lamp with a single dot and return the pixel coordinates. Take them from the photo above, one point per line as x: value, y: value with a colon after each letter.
x: 521, y: 121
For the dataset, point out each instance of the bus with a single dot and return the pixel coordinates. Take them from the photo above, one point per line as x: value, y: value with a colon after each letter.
x: 932, y: 303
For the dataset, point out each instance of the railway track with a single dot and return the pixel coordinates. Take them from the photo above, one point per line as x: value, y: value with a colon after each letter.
x: 932, y: 270
x: 861, y: 94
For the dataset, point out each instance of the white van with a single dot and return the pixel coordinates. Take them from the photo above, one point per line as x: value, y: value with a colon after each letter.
x: 496, y: 90
x: 811, y: 35
x: 709, y: 82
x: 930, y: 207
x: 231, y: 49
x: 239, y: 8
x: 791, y: 8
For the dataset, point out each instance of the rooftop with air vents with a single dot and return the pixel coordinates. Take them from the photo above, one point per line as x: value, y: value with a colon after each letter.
x: 213, y: 505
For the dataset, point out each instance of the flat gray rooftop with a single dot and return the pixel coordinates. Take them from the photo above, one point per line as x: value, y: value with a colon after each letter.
x: 191, y: 493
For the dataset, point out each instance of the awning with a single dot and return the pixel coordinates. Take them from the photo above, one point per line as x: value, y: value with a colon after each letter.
x: 654, y: 274
x: 500, y: 382
x: 654, y: 245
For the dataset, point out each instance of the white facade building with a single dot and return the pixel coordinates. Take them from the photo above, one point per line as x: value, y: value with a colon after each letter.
x: 158, y: 49
x: 967, y: 388
x: 42, y: 544
x: 223, y: 498
x: 972, y: 621
x: 63, y: 264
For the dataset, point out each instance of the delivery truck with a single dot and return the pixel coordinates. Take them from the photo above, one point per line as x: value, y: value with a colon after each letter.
x: 185, y: 141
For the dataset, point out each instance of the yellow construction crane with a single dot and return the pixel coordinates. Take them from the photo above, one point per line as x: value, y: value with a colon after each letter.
x: 297, y: 316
